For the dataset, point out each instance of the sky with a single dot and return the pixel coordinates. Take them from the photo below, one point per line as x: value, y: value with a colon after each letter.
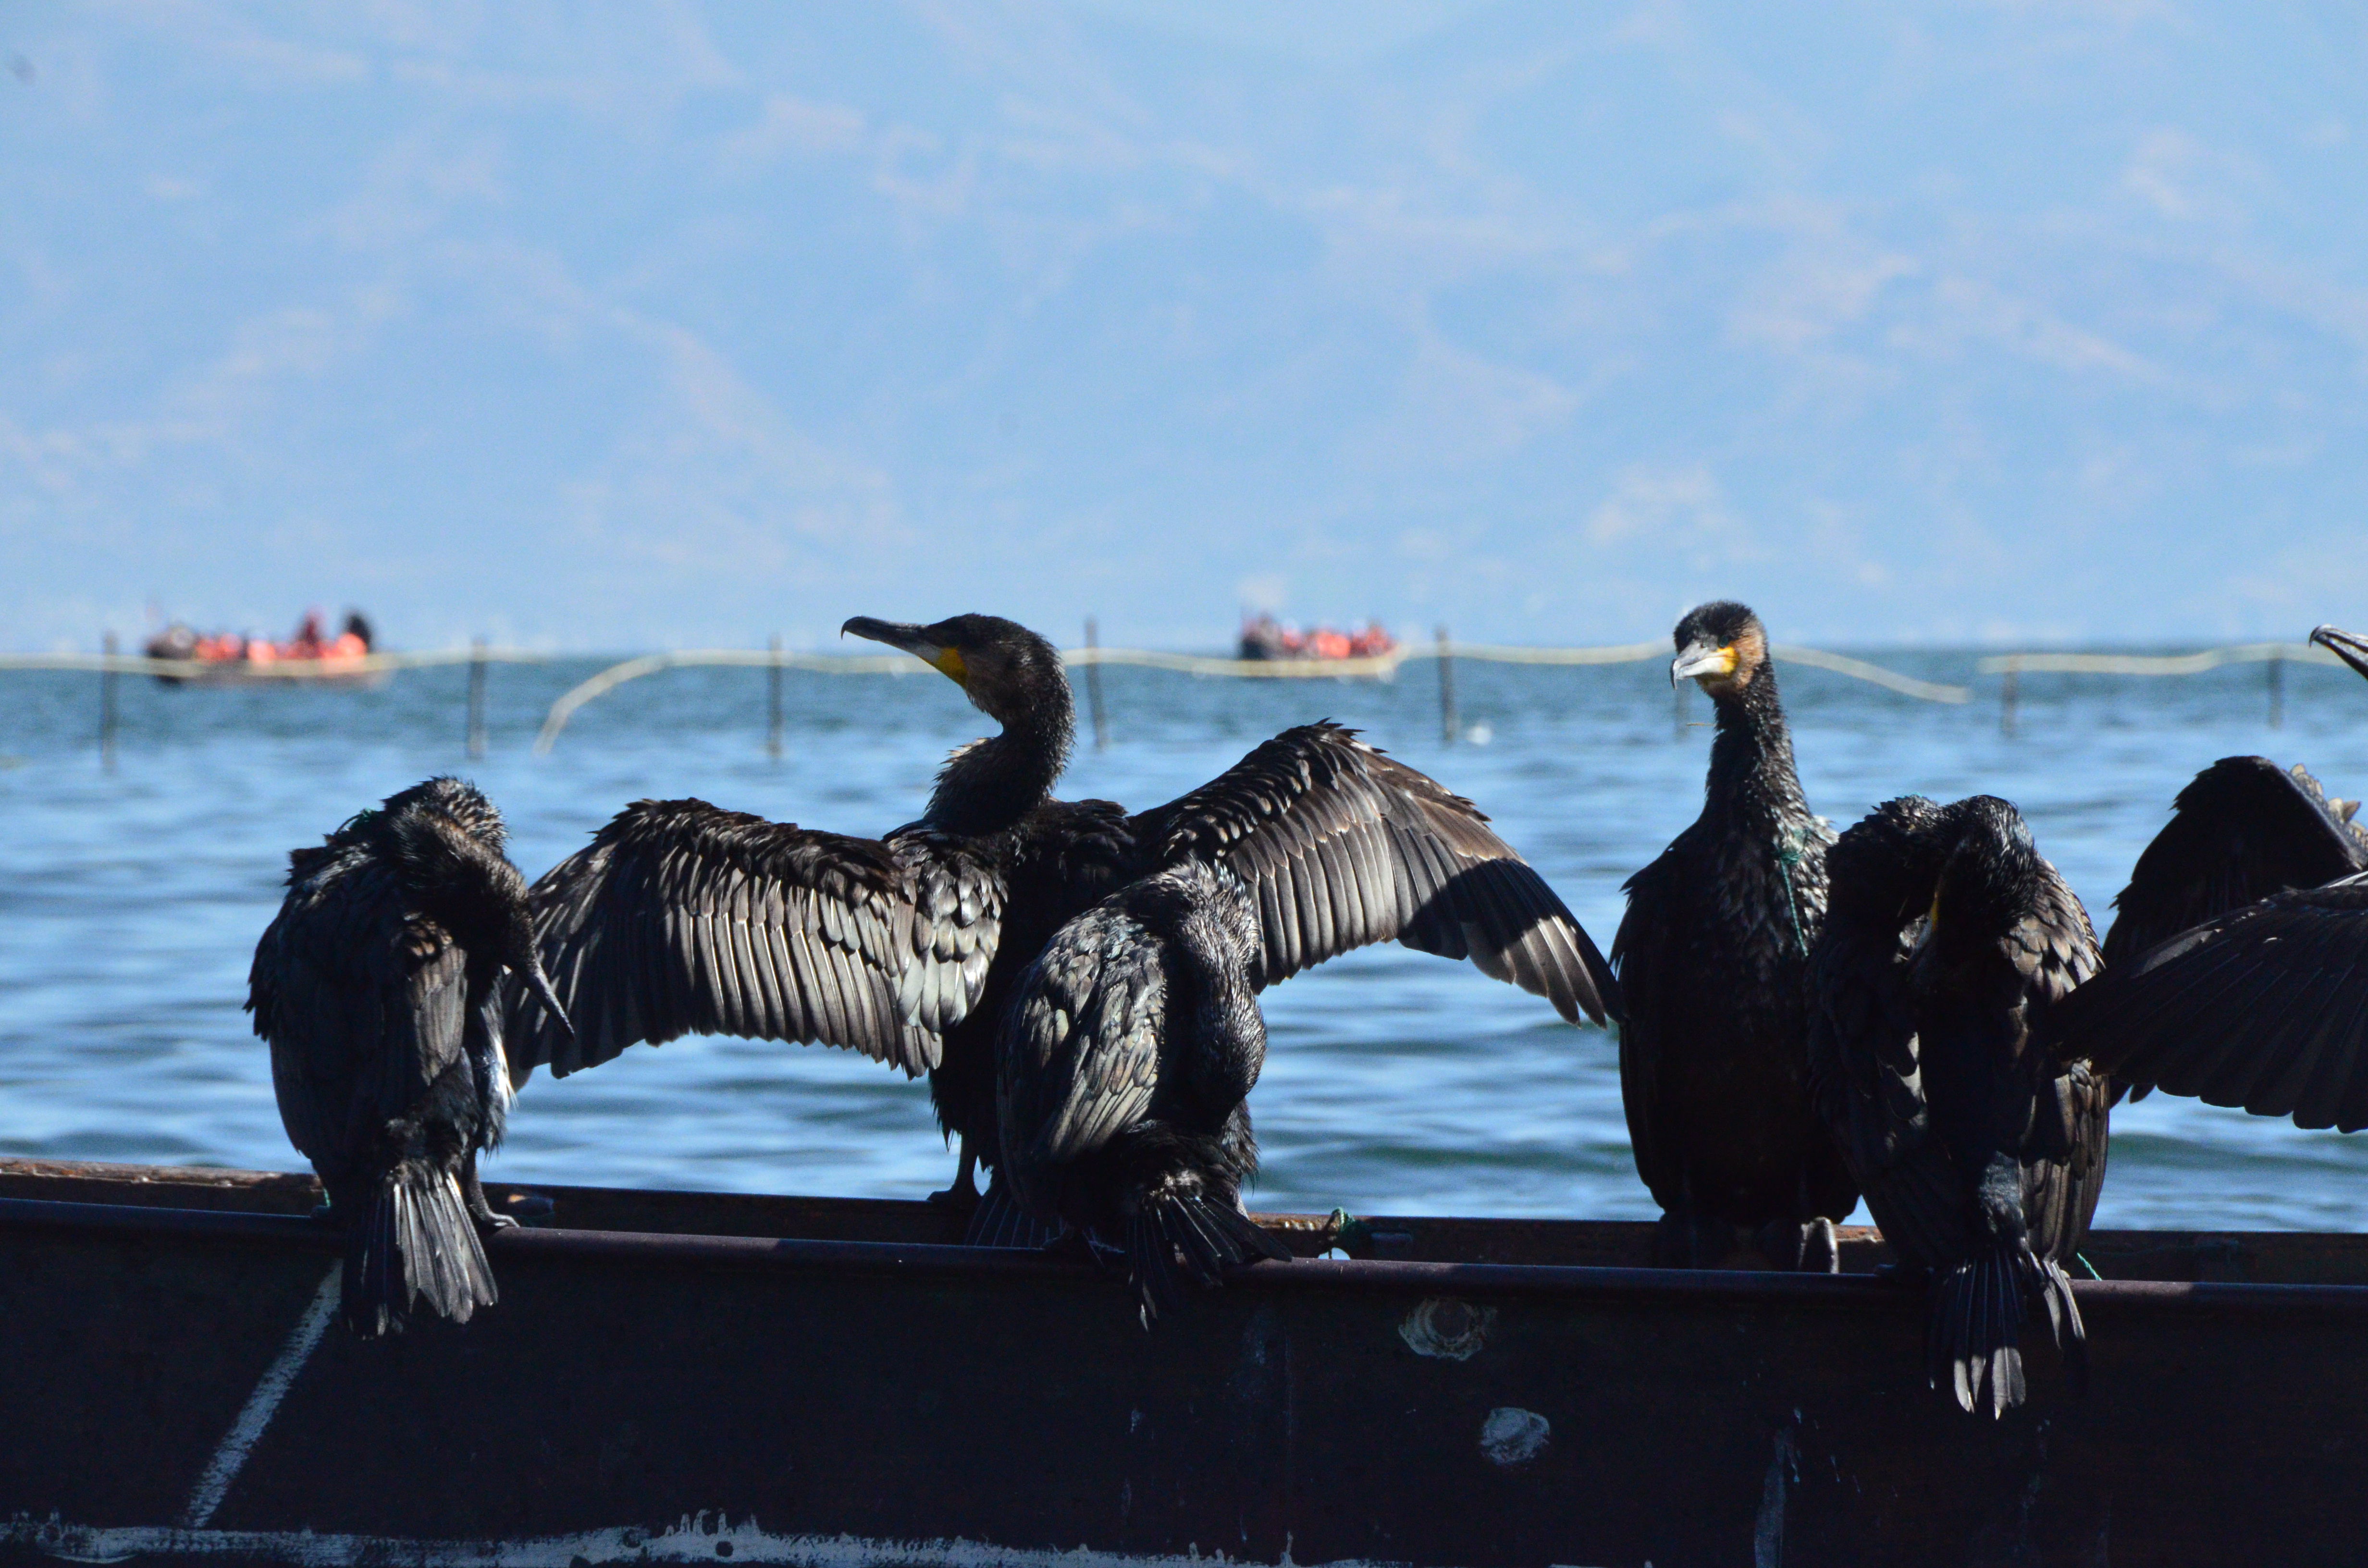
x: 605, y: 327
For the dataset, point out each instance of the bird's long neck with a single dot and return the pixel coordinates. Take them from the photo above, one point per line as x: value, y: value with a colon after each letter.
x: 990, y: 784
x: 1751, y: 775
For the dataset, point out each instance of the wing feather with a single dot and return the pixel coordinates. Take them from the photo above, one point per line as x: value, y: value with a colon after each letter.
x: 680, y: 917
x: 1341, y: 846
x: 2242, y: 829
x: 2260, y: 1007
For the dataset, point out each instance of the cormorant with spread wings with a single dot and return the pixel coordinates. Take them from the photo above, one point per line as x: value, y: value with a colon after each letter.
x: 681, y: 917
x: 1948, y: 939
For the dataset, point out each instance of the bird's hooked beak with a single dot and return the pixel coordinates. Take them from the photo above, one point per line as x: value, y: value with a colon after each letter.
x: 913, y: 640
x: 540, y: 984
x: 2351, y: 650
x: 1701, y: 662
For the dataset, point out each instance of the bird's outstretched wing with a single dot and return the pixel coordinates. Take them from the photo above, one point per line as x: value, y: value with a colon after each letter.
x: 680, y: 917
x: 2243, y: 829
x: 364, y: 1004
x: 2264, y: 1007
x: 1341, y: 845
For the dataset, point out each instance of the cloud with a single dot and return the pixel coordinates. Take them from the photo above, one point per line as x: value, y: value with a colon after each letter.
x: 1456, y: 408
x: 1679, y: 511
x: 792, y: 124
x: 712, y: 479
x: 2182, y: 179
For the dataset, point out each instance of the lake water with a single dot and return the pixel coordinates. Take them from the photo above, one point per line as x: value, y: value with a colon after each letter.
x: 129, y: 903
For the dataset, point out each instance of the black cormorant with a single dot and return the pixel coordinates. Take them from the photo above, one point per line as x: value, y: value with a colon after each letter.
x: 1133, y: 1041
x: 681, y: 917
x: 1947, y: 941
x: 2264, y: 1004
x: 378, y: 988
x: 1711, y: 956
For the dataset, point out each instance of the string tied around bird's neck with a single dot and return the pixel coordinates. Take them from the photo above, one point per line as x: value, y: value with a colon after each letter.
x: 1791, y: 847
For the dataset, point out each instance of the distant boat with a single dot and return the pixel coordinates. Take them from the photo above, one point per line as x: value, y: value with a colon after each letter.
x: 225, y: 657
x: 1263, y: 637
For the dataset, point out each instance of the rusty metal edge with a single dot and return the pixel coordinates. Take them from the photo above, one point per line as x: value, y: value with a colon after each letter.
x: 921, y: 1260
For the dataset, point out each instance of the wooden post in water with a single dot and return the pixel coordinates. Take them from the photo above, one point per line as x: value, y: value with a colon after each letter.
x: 107, y: 712
x: 477, y: 696
x: 773, y: 703
x: 1094, y: 685
x: 2277, y: 688
x: 2007, y: 695
x: 1446, y: 689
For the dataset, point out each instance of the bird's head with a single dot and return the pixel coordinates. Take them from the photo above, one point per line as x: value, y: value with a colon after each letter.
x: 1009, y: 672
x: 449, y: 844
x: 521, y: 956
x: 1985, y: 881
x: 1722, y: 646
x: 2351, y: 650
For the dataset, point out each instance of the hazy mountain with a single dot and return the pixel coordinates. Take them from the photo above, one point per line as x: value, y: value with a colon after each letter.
x: 615, y: 326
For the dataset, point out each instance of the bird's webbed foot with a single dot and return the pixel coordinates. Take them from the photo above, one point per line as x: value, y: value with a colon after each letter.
x: 473, y: 1195
x: 963, y: 1193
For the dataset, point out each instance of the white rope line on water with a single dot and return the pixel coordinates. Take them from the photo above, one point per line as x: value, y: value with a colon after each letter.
x: 2154, y: 664
x: 1383, y: 667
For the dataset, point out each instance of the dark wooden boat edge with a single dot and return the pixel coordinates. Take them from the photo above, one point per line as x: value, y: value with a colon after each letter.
x: 1456, y: 1393
x: 954, y: 1261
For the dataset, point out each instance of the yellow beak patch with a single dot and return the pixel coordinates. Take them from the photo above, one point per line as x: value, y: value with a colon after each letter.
x: 948, y: 663
x: 1727, y: 660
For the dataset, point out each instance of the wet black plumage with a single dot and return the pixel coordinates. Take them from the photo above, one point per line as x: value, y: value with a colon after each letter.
x: 2244, y: 831
x: 379, y: 987
x: 1948, y: 940
x: 1133, y: 1041
x: 681, y: 917
x: 1712, y: 956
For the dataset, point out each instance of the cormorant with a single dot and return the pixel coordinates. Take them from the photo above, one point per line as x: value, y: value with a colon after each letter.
x: 1711, y: 957
x: 2264, y: 1004
x: 377, y: 986
x: 682, y: 918
x: 1133, y: 1041
x: 1947, y: 941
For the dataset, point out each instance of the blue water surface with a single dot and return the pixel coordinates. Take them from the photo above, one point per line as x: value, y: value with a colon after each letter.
x: 130, y: 903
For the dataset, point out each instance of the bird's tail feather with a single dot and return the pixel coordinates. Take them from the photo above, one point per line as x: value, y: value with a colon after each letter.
x: 1001, y: 1221
x: 1975, y: 1338
x: 1207, y: 1232
x: 417, y: 1240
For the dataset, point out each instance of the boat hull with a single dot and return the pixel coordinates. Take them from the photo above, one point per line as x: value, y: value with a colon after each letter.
x: 637, y: 1394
